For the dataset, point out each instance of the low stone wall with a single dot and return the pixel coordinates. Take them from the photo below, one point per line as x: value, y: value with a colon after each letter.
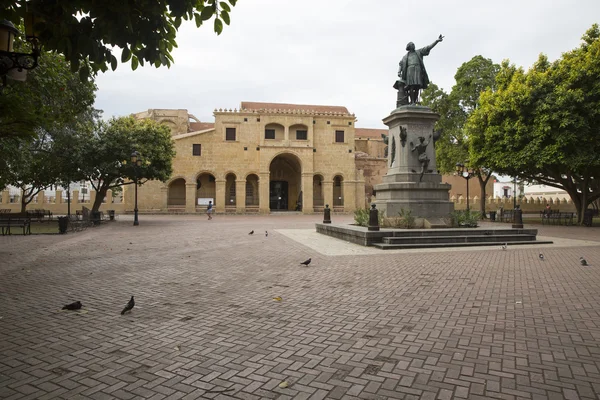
x: 60, y: 206
x: 528, y: 205
x: 354, y: 234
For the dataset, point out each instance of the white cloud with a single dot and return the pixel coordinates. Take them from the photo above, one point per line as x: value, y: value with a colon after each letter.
x: 339, y: 52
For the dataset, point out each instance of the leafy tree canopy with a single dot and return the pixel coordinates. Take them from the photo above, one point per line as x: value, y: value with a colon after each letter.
x: 543, y: 125
x: 52, y: 95
x: 472, y: 78
x: 85, y: 31
x: 106, y: 153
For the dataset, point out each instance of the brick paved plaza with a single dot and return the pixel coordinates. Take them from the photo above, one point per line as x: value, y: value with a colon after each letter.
x: 357, y: 323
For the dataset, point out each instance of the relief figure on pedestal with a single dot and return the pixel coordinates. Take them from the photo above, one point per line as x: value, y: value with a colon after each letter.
x: 421, y: 148
x: 393, y: 152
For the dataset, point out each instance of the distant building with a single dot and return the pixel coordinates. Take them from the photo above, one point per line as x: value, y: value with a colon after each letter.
x: 263, y: 157
x: 544, y: 191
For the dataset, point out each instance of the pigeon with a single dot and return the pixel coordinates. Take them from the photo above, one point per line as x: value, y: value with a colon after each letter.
x: 541, y: 256
x: 129, y: 306
x: 306, y: 262
x: 504, y: 246
x: 583, y: 261
x: 266, y: 233
x: 251, y: 232
x: 73, y: 306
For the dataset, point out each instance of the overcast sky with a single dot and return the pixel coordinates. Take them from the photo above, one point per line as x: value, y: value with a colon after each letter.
x: 339, y: 52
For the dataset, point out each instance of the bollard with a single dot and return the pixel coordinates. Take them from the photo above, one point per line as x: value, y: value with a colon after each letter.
x: 327, y: 214
x: 518, y: 219
x: 373, y: 218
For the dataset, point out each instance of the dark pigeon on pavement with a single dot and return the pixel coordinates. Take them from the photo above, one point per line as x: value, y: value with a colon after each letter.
x: 306, y: 262
x: 251, y: 232
x: 129, y: 306
x: 73, y: 306
x: 583, y: 261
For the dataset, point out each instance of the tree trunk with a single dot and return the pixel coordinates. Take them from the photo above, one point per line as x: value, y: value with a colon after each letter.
x: 100, y: 194
x: 482, y: 193
x: 25, y: 201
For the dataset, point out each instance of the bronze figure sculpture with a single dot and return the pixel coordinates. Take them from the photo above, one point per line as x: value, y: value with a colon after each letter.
x: 421, y: 148
x: 412, y: 73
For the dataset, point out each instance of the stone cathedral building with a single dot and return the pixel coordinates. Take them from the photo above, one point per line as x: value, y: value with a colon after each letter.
x: 267, y: 157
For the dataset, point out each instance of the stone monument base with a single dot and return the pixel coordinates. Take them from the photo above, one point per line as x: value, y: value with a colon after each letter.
x: 409, y: 183
x: 428, y: 201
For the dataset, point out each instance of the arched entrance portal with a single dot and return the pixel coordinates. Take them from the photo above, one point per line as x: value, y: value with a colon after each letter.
x: 205, y: 189
x: 176, y: 193
x: 285, y: 183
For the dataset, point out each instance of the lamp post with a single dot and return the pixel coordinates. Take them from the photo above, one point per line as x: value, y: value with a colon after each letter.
x: 467, y: 174
x: 515, y: 193
x: 136, y: 162
x: 11, y: 60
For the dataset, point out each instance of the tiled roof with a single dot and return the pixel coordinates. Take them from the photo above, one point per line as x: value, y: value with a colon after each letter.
x: 369, y: 133
x: 254, y: 106
x: 200, y: 126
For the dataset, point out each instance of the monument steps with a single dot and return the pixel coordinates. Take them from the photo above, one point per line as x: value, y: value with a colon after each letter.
x: 386, y: 246
x: 499, y: 238
x: 389, y: 238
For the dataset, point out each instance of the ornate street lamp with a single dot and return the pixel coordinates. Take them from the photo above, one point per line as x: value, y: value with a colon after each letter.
x: 136, y: 162
x: 467, y: 174
x: 11, y: 60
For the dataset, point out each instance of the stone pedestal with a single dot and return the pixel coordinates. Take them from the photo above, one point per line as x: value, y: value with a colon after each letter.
x: 403, y: 187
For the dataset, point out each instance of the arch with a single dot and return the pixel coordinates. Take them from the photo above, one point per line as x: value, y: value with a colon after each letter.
x: 294, y: 129
x: 343, y: 176
x: 230, y: 191
x: 205, y: 172
x: 274, y: 131
x: 250, y: 173
x: 173, y: 179
x: 285, y: 185
x: 252, y: 193
x: 318, y: 195
x: 287, y: 153
x: 176, y: 193
x: 206, y: 188
x: 338, y: 190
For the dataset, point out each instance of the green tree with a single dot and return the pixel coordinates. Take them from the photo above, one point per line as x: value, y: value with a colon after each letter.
x: 542, y: 125
x: 107, y: 150
x: 32, y: 168
x: 52, y: 95
x: 472, y: 78
x: 86, y: 31
x: 51, y: 100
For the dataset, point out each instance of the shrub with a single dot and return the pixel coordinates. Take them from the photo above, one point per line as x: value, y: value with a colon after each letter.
x: 465, y: 218
x: 405, y: 220
x: 361, y: 216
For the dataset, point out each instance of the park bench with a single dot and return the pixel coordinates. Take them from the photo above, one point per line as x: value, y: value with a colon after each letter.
x: 39, y: 214
x: 555, y: 217
x: 6, y: 223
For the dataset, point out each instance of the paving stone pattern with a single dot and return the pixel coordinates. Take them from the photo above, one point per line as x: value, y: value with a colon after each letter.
x: 431, y: 325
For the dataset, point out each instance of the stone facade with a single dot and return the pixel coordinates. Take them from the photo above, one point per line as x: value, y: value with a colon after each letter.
x: 263, y: 157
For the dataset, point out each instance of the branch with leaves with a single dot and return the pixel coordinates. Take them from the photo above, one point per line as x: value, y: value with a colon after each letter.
x: 87, y: 31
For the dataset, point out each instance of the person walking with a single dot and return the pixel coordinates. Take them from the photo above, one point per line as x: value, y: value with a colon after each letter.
x: 209, y: 210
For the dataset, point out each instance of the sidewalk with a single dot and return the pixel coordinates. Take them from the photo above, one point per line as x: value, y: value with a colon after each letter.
x: 356, y: 323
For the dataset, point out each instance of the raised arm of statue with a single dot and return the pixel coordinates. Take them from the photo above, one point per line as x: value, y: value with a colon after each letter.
x: 428, y: 140
x: 425, y: 50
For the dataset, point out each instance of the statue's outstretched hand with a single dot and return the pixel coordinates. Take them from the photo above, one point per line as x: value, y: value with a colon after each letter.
x: 440, y: 38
